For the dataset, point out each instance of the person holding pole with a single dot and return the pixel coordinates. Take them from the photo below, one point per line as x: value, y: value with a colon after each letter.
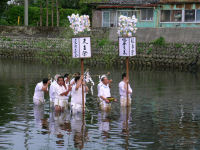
x: 76, y: 94
x: 123, y: 86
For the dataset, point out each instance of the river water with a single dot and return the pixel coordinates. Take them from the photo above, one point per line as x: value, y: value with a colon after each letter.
x: 165, y: 113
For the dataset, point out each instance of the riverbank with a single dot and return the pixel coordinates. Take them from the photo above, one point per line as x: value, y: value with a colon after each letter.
x: 48, y: 49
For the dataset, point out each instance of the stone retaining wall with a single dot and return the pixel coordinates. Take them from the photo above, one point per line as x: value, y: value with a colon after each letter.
x: 181, y: 56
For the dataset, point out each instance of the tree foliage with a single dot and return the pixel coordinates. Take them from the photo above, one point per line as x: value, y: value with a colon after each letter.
x: 13, y: 12
x: 9, y: 13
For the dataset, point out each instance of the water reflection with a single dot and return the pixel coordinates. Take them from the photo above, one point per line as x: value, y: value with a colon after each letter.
x: 79, y: 130
x: 104, y: 123
x: 125, y: 118
x: 165, y: 113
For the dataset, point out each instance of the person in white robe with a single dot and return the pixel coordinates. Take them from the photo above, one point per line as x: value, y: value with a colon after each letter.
x: 104, y: 93
x: 76, y: 94
x: 52, y: 90
x: 101, y: 83
x: 123, y: 91
x: 67, y: 84
x: 72, y: 81
x: 61, y: 93
x: 40, y: 88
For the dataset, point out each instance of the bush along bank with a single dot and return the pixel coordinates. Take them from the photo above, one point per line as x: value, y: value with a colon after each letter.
x: 156, y: 54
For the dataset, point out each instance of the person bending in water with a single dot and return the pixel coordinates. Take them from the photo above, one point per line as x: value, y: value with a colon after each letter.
x: 61, y: 94
x: 123, y: 91
x: 52, y: 89
x: 76, y: 99
x: 40, y: 88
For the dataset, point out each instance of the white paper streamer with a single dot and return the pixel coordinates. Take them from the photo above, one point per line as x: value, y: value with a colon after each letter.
x: 127, y: 26
x: 79, y: 23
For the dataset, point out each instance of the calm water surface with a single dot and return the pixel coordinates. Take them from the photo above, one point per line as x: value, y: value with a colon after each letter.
x: 165, y: 113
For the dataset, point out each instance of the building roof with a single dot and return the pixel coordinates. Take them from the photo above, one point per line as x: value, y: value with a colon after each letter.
x: 114, y: 2
x: 137, y: 2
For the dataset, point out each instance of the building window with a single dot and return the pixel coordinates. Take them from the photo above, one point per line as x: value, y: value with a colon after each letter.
x: 176, y: 15
x: 146, y: 14
x: 171, y: 15
x: 189, y: 15
x: 198, y: 15
x: 165, y: 16
x: 127, y: 13
x: 106, y: 19
x: 124, y: 13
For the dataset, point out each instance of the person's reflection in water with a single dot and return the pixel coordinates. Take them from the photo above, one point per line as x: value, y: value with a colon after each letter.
x: 61, y: 125
x: 79, y: 130
x: 38, y: 114
x: 41, y: 121
x: 66, y: 126
x: 60, y: 141
x: 125, y: 119
x: 104, y: 123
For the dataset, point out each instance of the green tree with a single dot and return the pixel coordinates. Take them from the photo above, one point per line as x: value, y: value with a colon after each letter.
x: 3, y: 5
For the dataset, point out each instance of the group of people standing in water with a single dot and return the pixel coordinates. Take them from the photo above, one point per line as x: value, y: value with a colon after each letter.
x: 65, y: 92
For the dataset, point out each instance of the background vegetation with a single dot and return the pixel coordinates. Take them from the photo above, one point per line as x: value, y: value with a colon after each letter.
x: 38, y: 9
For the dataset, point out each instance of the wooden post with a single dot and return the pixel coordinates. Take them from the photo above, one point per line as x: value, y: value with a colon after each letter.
x: 26, y: 12
x: 127, y: 75
x: 52, y: 13
x: 41, y: 11
x: 47, y: 13
x: 83, y: 107
x: 82, y: 73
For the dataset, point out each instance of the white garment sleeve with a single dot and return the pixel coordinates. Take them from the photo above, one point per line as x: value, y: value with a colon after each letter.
x: 121, y: 86
x: 101, y: 92
x: 39, y: 87
x: 129, y: 88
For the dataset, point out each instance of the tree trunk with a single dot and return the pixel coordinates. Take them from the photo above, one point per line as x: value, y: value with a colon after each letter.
x: 41, y: 10
x: 52, y: 13
x: 47, y: 14
x: 26, y: 12
x: 57, y: 12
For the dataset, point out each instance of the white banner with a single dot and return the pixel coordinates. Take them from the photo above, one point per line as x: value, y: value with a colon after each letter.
x: 81, y: 47
x: 75, y: 48
x: 133, y: 46
x: 127, y: 46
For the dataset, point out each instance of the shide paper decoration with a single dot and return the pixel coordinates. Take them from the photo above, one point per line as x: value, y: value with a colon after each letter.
x: 127, y: 26
x: 79, y: 23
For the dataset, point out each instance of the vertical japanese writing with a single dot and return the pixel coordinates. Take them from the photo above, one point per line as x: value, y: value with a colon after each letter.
x: 75, y: 48
x: 85, y: 47
x: 84, y: 53
x: 127, y: 46
x: 124, y: 46
x: 132, y: 46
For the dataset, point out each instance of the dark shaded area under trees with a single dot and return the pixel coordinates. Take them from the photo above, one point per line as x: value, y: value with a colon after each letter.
x: 57, y: 11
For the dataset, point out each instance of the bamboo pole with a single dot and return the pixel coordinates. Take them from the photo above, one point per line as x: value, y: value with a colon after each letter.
x: 82, y: 73
x: 127, y: 75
